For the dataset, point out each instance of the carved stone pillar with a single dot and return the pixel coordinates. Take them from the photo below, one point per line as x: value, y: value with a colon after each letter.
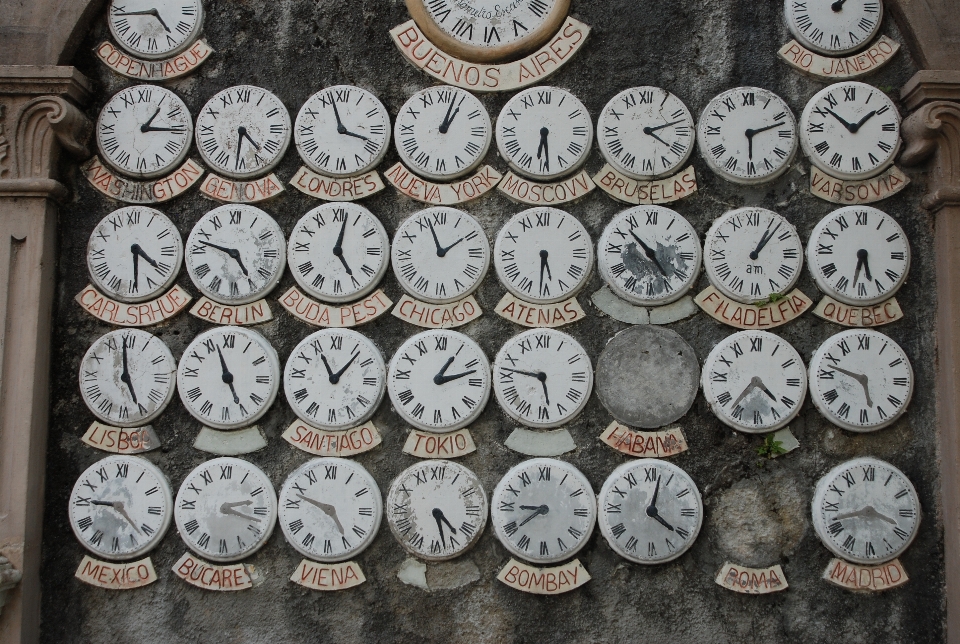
x: 38, y: 120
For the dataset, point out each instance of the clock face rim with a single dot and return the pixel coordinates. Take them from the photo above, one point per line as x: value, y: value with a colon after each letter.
x: 188, y: 42
x: 795, y: 31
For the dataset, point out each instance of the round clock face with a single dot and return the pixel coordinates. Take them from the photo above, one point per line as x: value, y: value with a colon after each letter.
x: 440, y: 255
x: 544, y: 510
x: 439, y: 381
x: 650, y: 511
x: 544, y: 133
x: 243, y: 131
x: 226, y: 509
x: 834, y: 28
x: 861, y: 380
x: 866, y: 511
x: 121, y: 507
x: 437, y: 510
x: 442, y: 132
x: 544, y: 378
x: 645, y: 133
x: 752, y: 253
x: 330, y: 509
x: 338, y: 252
x: 858, y: 255
x: 144, y: 131
x: 342, y: 131
x: 228, y: 377
x: 134, y: 254
x: 649, y: 255
x: 747, y: 135
x: 126, y: 377
x: 850, y: 130
x: 154, y: 29
x: 236, y: 254
x: 335, y: 379
x: 535, y: 243
x: 754, y: 381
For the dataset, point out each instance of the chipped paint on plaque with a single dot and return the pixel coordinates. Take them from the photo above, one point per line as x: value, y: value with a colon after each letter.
x: 229, y: 191
x: 869, y: 578
x: 318, y: 576
x: 121, y: 440
x: 430, y: 445
x: 752, y: 581
x: 539, y: 315
x: 332, y: 189
x: 631, y: 442
x: 141, y: 314
x: 859, y: 316
x: 201, y: 574
x: 346, y: 442
x: 124, y: 575
x: 877, y: 188
x: 242, y: 315
x: 632, y: 191
x: 544, y: 581
x: 522, y: 190
x: 437, y: 316
x: 153, y: 191
x: 338, y: 315
x: 750, y: 316
x: 154, y: 70
x: 835, y: 69
x: 443, y: 194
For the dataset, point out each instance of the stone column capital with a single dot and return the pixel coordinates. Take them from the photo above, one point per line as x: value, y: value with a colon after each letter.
x: 932, y: 134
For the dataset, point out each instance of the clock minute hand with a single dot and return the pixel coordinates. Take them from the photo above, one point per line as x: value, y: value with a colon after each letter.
x: 125, y: 375
x: 650, y: 253
x: 341, y: 128
x: 537, y: 511
x: 539, y: 375
x: 837, y: 6
x: 767, y: 236
x: 650, y: 130
x: 849, y: 126
x: 233, y: 253
x: 544, y: 133
x: 228, y: 508
x: 445, y: 123
x: 856, y: 126
x: 227, y: 377
x: 335, y: 378
x: 118, y: 506
x: 148, y: 12
x: 544, y: 265
x: 863, y: 257
x: 326, y: 508
x: 146, y: 126
x: 137, y: 250
x: 338, y: 247
x: 456, y: 376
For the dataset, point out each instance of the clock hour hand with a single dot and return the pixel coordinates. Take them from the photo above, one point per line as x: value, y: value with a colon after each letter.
x: 326, y: 508
x: 233, y: 253
x: 850, y: 126
x: 338, y: 247
x: 838, y: 5
x: 537, y: 511
x: 544, y: 265
x: 746, y: 390
x: 228, y: 508
x: 118, y: 506
x: 227, y: 377
x: 137, y: 250
x: 146, y: 126
x: 438, y: 515
x: 762, y: 387
x: 148, y: 12
x: 136, y: 270
x: 448, y: 118
x: 242, y: 131
x: 444, y: 250
x: 862, y: 379
x: 767, y: 236
x: 125, y: 376
x: 544, y: 132
x: 650, y: 253
x: 539, y: 375
x: 867, y: 512
x: 862, y: 258
x: 441, y: 378
x: 650, y: 130
x: 335, y: 377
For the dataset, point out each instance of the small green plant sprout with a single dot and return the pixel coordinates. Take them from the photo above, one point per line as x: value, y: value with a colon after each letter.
x: 773, y: 297
x: 771, y: 448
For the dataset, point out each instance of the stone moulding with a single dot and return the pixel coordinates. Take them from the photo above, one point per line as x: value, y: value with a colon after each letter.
x: 933, y: 131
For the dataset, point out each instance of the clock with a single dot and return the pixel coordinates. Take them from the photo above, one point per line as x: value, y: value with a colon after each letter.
x: 126, y: 377
x: 440, y: 255
x: 544, y: 133
x: 747, y: 135
x: 228, y: 377
x: 754, y: 381
x: 330, y: 509
x: 442, y: 132
x: 335, y: 379
x: 236, y: 254
x: 226, y: 509
x: 485, y: 31
x: 144, y: 131
x: 121, y: 507
x: 342, y: 131
x: 645, y: 133
x: 243, y: 132
x: 154, y: 29
x: 834, y: 28
x: 866, y: 511
x: 858, y: 255
x: 338, y: 252
x: 543, y: 255
x: 134, y: 254
x: 436, y: 371
x: 850, y: 130
x: 861, y: 380
x: 543, y: 510
x: 437, y: 510
x: 752, y: 253
x: 543, y: 378
x: 649, y: 255
x: 650, y: 511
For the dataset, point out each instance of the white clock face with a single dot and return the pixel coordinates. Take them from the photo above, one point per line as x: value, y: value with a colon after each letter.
x: 834, y: 28
x: 440, y: 255
x: 144, y: 131
x: 121, y: 507
x: 754, y: 381
x: 228, y: 377
x: 236, y: 254
x: 126, y: 377
x: 861, y: 380
x: 850, y: 130
x: 646, y: 132
x: 544, y: 133
x: 543, y: 378
x: 858, y: 255
x: 866, y: 511
x: 752, y: 253
x: 747, y: 135
x: 544, y: 510
x: 335, y: 379
x: 439, y: 381
x: 342, y: 131
x: 154, y: 29
x: 226, y: 509
x: 330, y: 509
x: 442, y: 132
x: 134, y: 254
x: 437, y: 510
x: 649, y: 255
x: 650, y: 511
x: 338, y: 252
x: 543, y: 255
x: 243, y: 131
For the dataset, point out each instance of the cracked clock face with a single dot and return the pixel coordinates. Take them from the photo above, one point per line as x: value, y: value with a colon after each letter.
x: 754, y: 381
x: 154, y: 29
x: 834, y: 28
x: 861, y: 380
